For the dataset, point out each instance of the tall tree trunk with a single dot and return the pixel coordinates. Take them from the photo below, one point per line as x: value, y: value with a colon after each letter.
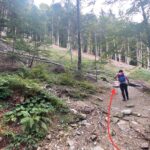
x: 57, y: 43
x: 13, y: 46
x: 127, y: 54
x: 96, y: 64
x: 145, y: 18
x: 137, y: 52
x: 148, y: 58
x: 141, y: 54
x: 100, y: 50
x: 52, y: 34
x: 69, y: 41
x: 107, y: 47
x: 79, y: 39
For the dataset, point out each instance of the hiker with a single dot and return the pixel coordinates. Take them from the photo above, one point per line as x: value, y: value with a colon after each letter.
x: 124, y: 81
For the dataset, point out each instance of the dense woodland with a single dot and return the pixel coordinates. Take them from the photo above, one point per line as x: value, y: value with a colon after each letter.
x: 105, y: 35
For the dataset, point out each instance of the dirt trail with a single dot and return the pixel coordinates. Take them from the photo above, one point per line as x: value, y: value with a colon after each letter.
x: 129, y: 132
x: 131, y: 129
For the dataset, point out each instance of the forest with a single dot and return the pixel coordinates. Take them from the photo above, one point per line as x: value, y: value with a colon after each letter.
x: 57, y: 69
x: 107, y: 34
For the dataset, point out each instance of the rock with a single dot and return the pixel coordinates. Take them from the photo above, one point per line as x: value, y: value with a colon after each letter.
x: 119, y: 115
x: 98, y: 98
x: 74, y: 111
x: 49, y: 137
x: 1, y: 139
x: 78, y: 133
x: 127, y: 112
x: 97, y: 148
x: 87, y: 110
x: 130, y: 105
x: 123, y: 125
x: 82, y: 116
x: 61, y: 133
x: 84, y: 123
x: 134, y: 122
x: 112, y: 132
x: 70, y: 143
x: 115, y: 120
x: 93, y: 137
x: 106, y: 119
x: 59, y: 69
x: 145, y: 146
x: 46, y: 147
x: 73, y: 125
x: 104, y: 79
x: 137, y: 114
x: 70, y: 128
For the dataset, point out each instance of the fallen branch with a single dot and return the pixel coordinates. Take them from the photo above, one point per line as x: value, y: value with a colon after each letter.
x: 30, y: 57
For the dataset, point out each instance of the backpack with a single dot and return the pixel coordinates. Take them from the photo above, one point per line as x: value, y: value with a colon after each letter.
x: 122, y: 78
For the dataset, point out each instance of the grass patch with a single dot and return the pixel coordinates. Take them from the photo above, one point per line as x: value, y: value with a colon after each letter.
x: 41, y: 73
x: 141, y: 74
x: 13, y: 84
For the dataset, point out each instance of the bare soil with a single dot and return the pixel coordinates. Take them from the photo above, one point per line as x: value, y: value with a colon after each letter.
x: 129, y: 132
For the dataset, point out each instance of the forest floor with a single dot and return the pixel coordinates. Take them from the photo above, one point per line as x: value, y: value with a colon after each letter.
x: 130, y: 121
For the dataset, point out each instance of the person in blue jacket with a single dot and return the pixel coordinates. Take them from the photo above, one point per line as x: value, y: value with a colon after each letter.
x: 124, y: 81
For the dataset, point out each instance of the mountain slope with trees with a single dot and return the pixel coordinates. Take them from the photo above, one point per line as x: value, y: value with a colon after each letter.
x: 105, y: 35
x: 57, y: 67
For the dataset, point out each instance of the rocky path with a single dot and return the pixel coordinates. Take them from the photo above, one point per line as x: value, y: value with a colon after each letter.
x: 131, y: 120
x: 130, y: 124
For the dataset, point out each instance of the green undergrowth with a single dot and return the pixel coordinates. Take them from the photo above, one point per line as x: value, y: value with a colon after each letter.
x: 28, y: 106
x: 14, y: 84
x: 43, y: 74
x: 33, y: 116
x: 31, y: 108
x: 140, y: 74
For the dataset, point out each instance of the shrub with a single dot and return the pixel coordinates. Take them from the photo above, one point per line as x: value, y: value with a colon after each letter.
x: 19, y: 140
x: 40, y: 72
x: 4, y: 93
x: 37, y: 72
x: 10, y: 84
x: 86, y: 86
x: 23, y: 72
x: 22, y: 45
x: 34, y: 117
x: 67, y: 79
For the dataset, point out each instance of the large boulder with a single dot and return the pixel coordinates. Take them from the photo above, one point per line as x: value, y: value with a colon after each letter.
x: 59, y: 69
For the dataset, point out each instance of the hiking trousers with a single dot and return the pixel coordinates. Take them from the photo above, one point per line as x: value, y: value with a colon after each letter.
x: 124, y: 91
